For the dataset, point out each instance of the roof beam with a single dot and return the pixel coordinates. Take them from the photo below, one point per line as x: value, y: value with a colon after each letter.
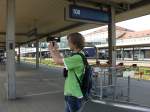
x: 102, y: 3
x: 21, y: 34
x: 16, y: 42
x: 107, y: 2
x: 57, y: 31
x: 2, y: 46
x: 139, y: 4
x: 118, y: 7
x: 17, y: 34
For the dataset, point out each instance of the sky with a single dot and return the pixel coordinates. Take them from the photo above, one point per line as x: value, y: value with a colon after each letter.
x: 136, y: 24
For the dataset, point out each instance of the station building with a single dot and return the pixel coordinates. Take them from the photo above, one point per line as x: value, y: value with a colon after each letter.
x: 131, y: 45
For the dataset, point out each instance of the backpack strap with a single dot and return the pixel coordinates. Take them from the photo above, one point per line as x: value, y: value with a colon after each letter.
x: 83, y: 58
x: 85, y: 64
x: 78, y: 79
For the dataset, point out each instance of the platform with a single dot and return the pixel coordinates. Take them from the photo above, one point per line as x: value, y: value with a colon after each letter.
x: 41, y: 90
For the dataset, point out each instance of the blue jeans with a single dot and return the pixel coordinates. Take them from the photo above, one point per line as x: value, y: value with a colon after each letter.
x: 72, y: 104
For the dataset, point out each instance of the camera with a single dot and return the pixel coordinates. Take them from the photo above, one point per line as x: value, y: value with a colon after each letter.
x: 65, y: 73
x: 53, y: 39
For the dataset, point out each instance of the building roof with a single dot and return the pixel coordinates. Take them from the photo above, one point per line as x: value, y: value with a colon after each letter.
x: 123, y: 33
x: 105, y: 29
x: 137, y: 34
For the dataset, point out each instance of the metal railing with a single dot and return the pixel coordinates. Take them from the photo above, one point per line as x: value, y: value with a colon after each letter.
x: 102, y: 89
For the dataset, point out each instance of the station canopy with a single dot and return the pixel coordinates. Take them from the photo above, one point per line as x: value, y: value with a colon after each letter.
x: 47, y: 16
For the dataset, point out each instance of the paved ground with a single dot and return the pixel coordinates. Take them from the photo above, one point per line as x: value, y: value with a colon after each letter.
x: 42, y: 90
x: 139, y: 91
x: 112, y: 107
x: 37, y: 90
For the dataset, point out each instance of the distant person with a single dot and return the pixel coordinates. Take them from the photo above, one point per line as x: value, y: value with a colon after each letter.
x: 73, y: 64
x: 120, y: 64
x: 108, y: 63
x: 98, y: 63
x: 120, y: 69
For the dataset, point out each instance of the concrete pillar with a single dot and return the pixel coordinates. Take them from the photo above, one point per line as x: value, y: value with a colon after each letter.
x: 10, y: 50
x: 18, y: 57
x: 112, y: 40
x: 37, y: 53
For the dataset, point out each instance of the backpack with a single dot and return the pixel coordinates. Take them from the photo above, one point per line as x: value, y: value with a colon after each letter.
x: 86, y: 81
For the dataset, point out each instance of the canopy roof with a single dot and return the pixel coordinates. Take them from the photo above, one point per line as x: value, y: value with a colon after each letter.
x: 48, y: 16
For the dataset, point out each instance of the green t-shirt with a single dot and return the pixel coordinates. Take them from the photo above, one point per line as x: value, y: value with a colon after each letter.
x: 73, y: 64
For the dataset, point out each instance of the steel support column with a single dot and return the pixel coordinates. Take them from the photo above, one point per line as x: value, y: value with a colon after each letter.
x: 10, y: 50
x: 123, y: 54
x: 133, y: 53
x: 112, y: 40
x: 37, y: 53
x: 139, y: 57
x: 40, y: 52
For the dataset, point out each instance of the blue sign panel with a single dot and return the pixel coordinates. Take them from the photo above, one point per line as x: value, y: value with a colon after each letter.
x: 87, y: 14
x: 90, y: 52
